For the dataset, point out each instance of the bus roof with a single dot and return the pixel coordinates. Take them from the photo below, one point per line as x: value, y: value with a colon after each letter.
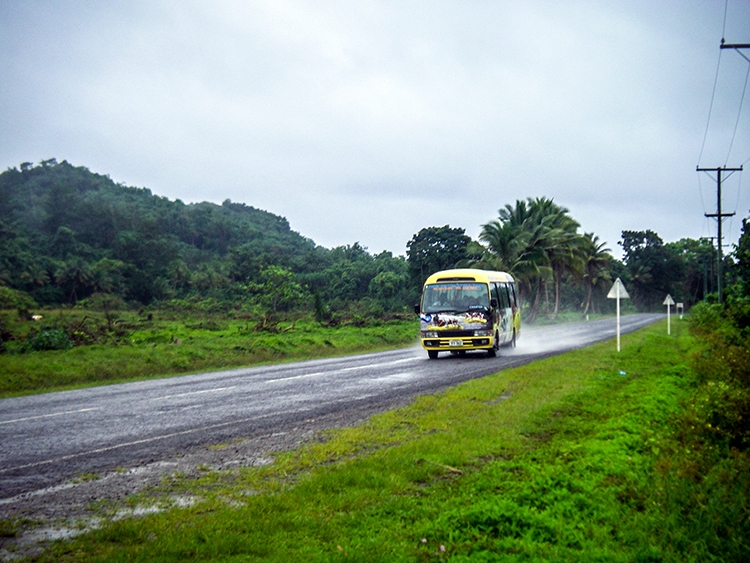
x: 468, y: 274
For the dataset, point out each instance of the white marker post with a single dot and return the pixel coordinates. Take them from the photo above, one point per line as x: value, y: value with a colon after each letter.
x: 669, y: 302
x: 618, y: 292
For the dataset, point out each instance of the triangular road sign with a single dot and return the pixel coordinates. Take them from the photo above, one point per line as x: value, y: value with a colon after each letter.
x: 618, y: 291
x: 668, y: 300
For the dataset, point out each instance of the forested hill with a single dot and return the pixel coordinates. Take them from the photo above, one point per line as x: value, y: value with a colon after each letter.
x: 45, y: 202
x: 66, y: 233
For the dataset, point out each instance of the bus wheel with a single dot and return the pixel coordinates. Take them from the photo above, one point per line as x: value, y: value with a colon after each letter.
x: 513, y: 340
x: 492, y: 352
x: 433, y: 354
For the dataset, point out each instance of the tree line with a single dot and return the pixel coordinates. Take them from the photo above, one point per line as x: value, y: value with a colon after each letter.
x: 69, y: 236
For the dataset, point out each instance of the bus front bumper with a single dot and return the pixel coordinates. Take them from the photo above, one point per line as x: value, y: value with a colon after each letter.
x: 458, y: 343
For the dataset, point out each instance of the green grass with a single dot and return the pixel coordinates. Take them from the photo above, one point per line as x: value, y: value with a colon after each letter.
x: 174, y: 346
x: 558, y: 460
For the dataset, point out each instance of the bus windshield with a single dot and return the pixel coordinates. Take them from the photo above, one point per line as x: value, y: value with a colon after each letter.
x: 455, y: 296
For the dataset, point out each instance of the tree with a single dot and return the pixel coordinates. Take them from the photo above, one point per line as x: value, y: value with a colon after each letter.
x: 560, y: 241
x: 742, y: 255
x: 698, y: 258
x: 74, y: 276
x: 654, y: 270
x: 597, y: 260
x: 433, y: 249
x: 534, y: 240
x: 278, y: 290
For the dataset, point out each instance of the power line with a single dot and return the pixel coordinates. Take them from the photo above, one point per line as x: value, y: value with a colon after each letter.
x: 739, y: 113
x: 710, y: 108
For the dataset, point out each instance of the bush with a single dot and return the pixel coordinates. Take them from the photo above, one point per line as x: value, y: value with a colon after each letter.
x: 14, y: 299
x: 722, y: 403
x: 50, y: 339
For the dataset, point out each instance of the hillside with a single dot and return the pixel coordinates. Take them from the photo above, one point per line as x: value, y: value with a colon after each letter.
x: 67, y: 233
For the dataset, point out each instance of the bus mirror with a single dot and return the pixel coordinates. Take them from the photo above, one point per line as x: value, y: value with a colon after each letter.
x: 493, y: 303
x: 416, y: 309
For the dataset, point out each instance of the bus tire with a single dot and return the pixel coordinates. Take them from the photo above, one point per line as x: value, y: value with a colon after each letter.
x: 492, y: 352
x: 513, y: 340
x: 433, y: 354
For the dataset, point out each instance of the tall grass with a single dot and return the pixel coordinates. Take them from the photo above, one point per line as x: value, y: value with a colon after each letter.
x: 157, y: 347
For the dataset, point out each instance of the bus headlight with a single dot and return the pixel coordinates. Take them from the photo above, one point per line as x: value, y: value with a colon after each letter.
x: 482, y: 333
x: 429, y: 334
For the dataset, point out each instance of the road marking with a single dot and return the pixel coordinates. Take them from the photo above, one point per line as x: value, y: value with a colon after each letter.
x: 216, y: 390
x: 396, y: 376
x: 353, y: 368
x: 49, y: 415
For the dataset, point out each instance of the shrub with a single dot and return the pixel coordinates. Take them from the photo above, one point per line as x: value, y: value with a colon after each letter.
x: 722, y: 403
x: 49, y: 339
x: 14, y: 299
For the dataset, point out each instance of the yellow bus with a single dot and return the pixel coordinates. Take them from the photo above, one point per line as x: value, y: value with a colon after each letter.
x: 468, y: 309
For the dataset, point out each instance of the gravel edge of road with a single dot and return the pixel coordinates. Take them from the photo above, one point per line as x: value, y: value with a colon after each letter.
x: 69, y: 509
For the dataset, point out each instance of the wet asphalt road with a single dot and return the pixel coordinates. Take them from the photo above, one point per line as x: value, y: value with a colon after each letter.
x: 46, y: 439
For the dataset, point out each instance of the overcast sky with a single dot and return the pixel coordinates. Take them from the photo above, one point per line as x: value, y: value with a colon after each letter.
x: 369, y: 120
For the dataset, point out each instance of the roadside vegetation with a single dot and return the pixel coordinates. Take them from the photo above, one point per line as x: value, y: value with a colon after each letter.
x: 75, y: 347
x: 588, y: 456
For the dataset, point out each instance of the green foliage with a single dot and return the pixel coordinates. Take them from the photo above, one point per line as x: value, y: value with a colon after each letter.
x: 66, y: 233
x: 14, y: 299
x: 721, y: 407
x: 112, y: 345
x: 49, y: 339
x: 537, y: 242
x: 433, y: 249
x: 278, y: 290
x: 742, y: 254
x: 654, y: 269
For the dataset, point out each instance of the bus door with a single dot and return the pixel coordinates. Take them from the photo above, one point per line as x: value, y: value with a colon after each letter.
x: 504, y: 312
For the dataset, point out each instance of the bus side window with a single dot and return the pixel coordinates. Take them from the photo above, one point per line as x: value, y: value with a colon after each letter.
x: 506, y: 295
x: 495, y: 294
x: 513, y: 297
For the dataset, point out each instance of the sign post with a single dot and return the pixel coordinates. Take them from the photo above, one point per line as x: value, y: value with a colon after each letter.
x: 669, y: 302
x: 618, y: 292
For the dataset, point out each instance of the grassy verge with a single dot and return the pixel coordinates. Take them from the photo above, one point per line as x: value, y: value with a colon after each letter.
x: 157, y: 347
x: 560, y: 460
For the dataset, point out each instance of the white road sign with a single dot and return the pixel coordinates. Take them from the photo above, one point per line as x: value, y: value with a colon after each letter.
x: 618, y: 292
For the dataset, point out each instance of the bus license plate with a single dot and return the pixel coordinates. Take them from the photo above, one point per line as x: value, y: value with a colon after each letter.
x: 456, y: 343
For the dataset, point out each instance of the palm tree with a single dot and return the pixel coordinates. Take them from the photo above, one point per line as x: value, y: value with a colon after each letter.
x: 74, y: 275
x: 535, y: 241
x: 35, y: 276
x: 597, y: 259
x: 560, y: 242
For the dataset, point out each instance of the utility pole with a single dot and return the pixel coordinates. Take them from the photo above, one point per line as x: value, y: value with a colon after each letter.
x: 736, y: 47
x: 708, y: 268
x: 719, y: 215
